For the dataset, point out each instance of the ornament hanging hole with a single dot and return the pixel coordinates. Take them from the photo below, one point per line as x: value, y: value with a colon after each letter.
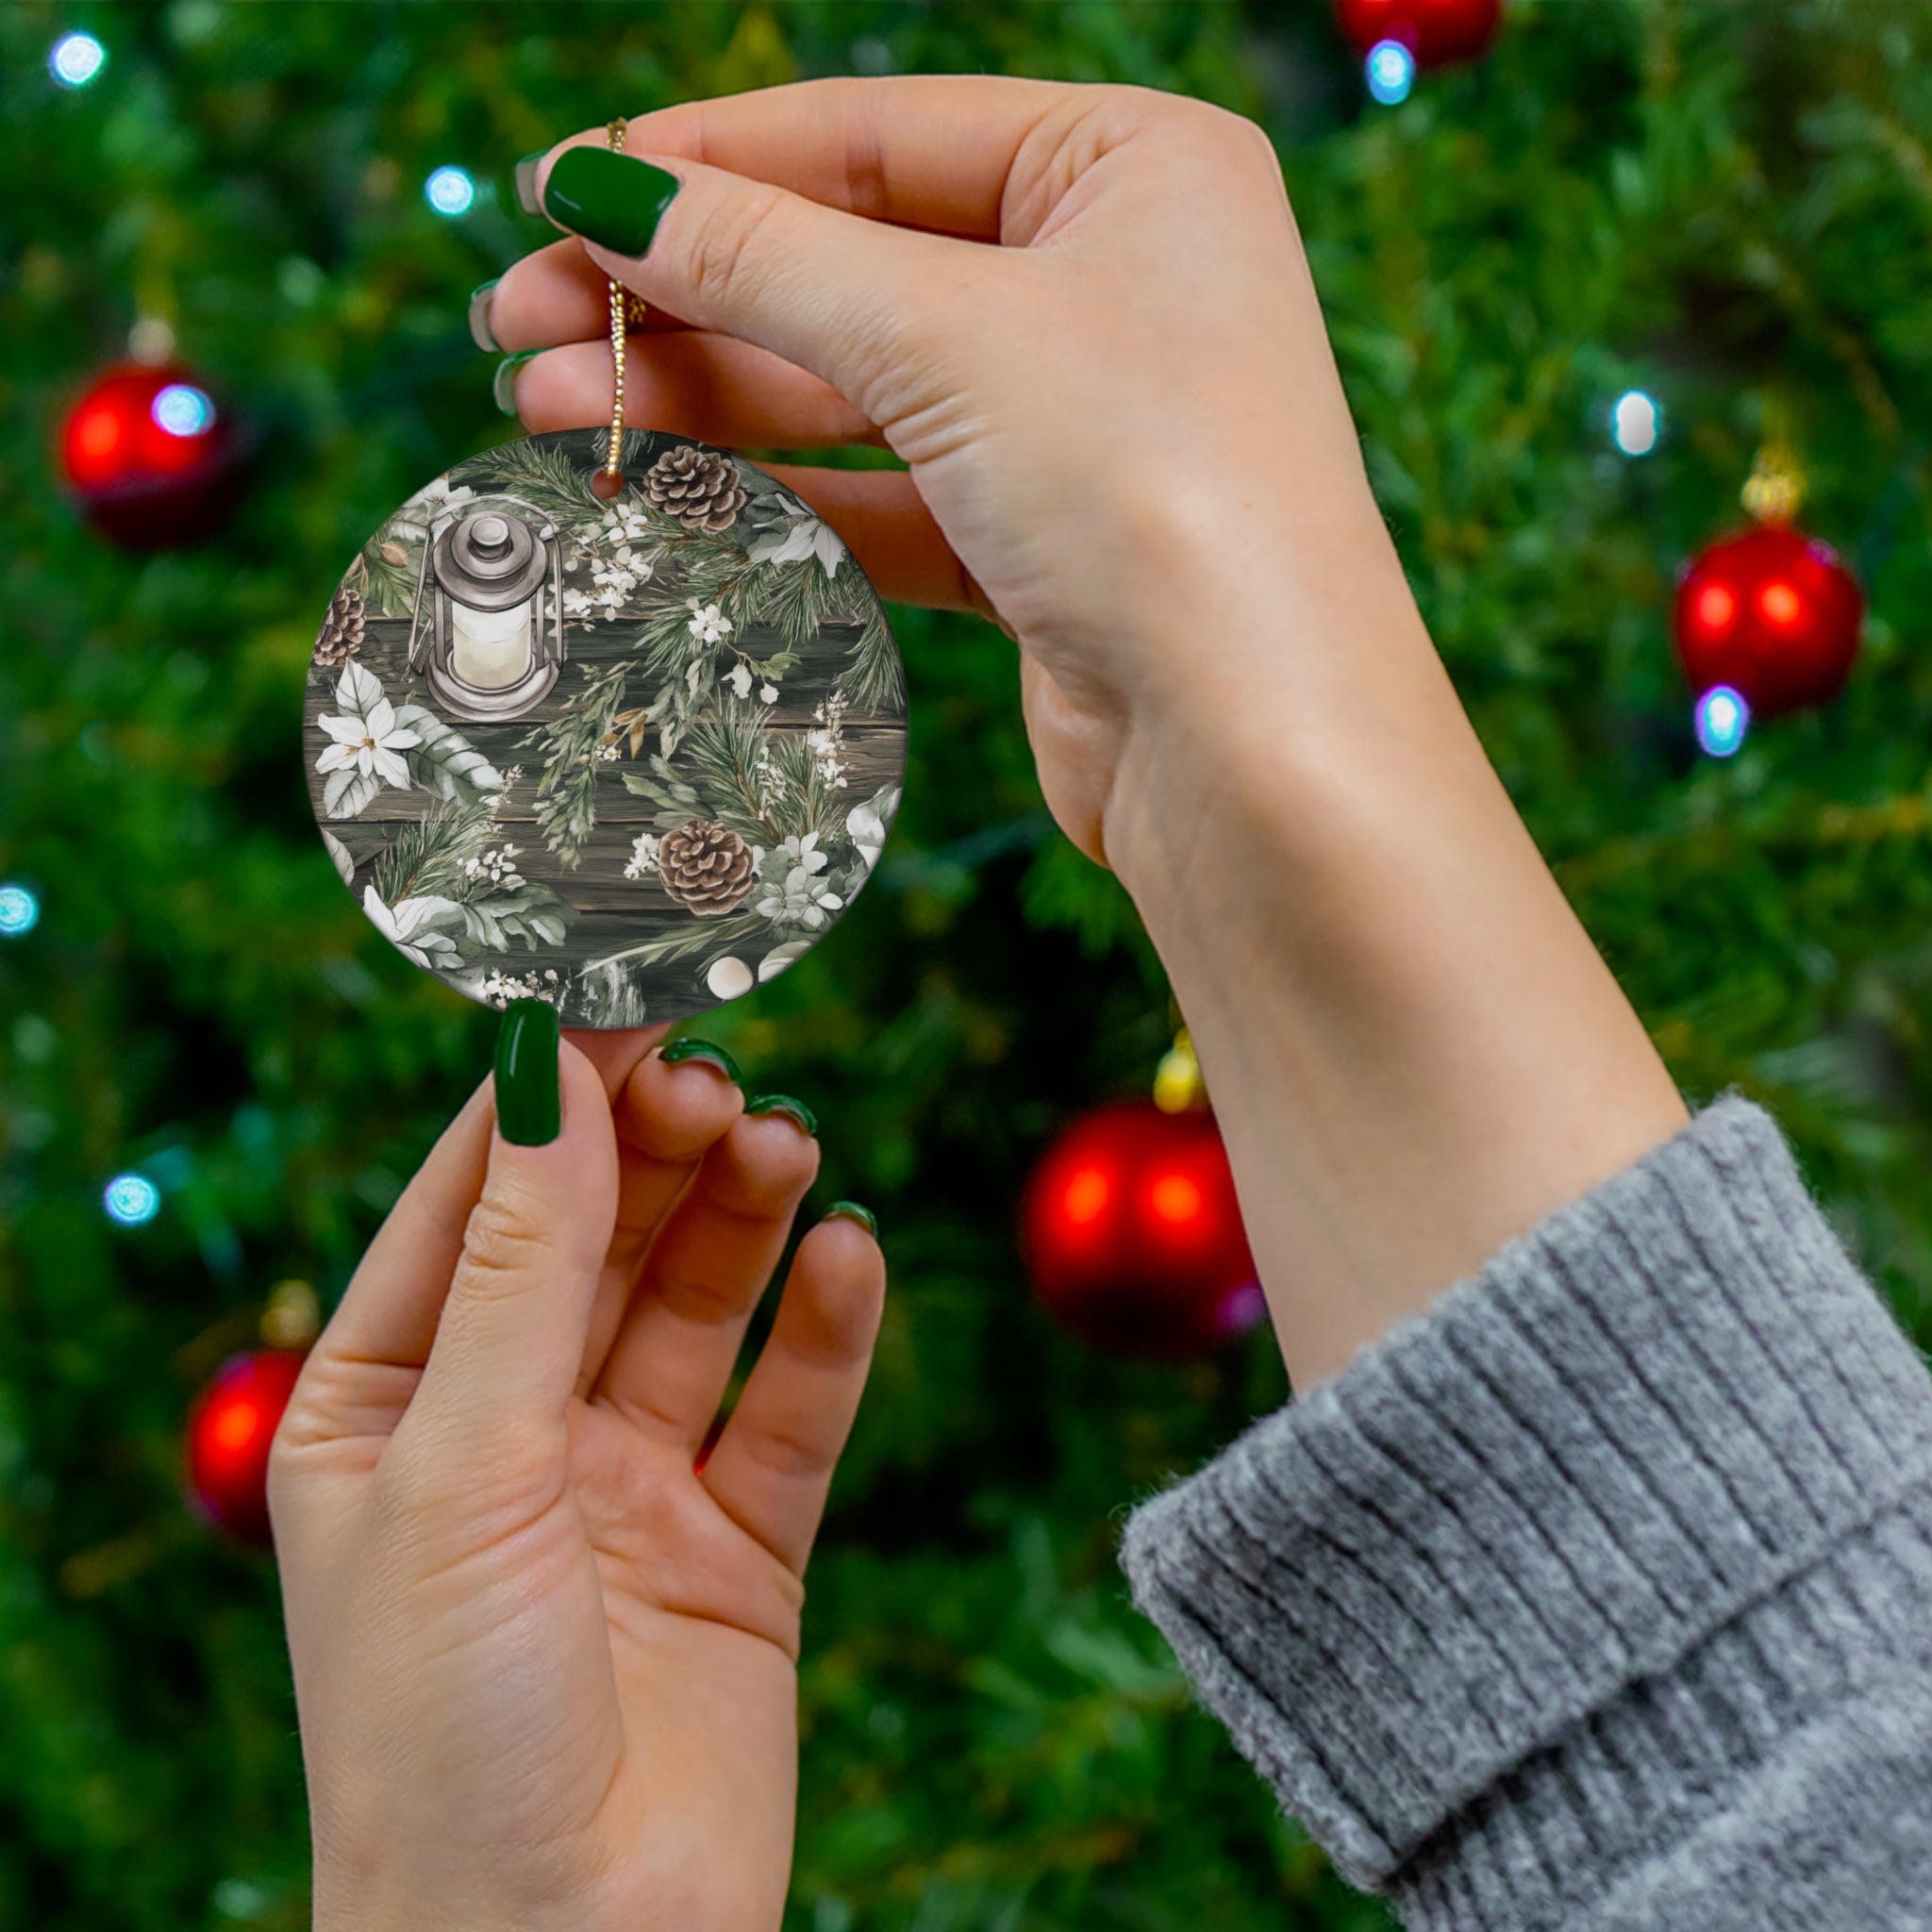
x: 606, y: 484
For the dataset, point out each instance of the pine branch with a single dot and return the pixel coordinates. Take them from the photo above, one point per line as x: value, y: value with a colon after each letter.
x: 566, y: 802
x: 794, y: 598
x: 803, y: 799
x: 724, y: 750
x: 543, y: 476
x: 427, y: 856
x: 873, y: 679
x: 720, y: 935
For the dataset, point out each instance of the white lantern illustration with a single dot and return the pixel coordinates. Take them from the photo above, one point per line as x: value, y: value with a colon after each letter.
x: 493, y: 626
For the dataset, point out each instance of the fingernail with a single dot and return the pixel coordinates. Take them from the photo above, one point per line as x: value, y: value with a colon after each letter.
x: 526, y: 183
x: 794, y: 1110
x: 530, y: 1099
x: 851, y: 1210
x: 503, y: 385
x: 712, y: 1054
x: 481, y: 331
x: 611, y: 199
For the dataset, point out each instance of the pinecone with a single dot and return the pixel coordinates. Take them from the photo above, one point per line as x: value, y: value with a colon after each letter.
x: 341, y: 630
x: 705, y: 867
x: 698, y: 487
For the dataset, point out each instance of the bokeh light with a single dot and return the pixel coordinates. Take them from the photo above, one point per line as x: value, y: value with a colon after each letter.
x: 182, y: 409
x: 1636, y: 423
x: 1722, y: 719
x: 76, y: 59
x: 1088, y: 1194
x: 450, y: 192
x: 19, y: 911
x: 1390, y: 71
x: 131, y: 1199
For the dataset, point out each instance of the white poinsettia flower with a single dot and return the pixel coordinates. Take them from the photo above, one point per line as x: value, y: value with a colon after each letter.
x: 738, y: 678
x: 404, y: 925
x: 372, y: 743
x: 866, y: 824
x: 807, y: 536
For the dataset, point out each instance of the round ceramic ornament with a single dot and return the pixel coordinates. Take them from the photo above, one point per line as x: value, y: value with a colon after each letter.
x: 630, y: 753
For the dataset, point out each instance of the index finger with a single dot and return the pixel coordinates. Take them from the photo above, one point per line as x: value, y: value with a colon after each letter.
x: 920, y: 151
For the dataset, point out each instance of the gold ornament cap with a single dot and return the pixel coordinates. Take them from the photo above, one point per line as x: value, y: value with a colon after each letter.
x: 1775, y: 491
x: 292, y: 1318
x: 1177, y: 1084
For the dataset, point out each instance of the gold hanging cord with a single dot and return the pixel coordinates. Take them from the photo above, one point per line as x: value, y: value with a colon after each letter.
x: 627, y: 311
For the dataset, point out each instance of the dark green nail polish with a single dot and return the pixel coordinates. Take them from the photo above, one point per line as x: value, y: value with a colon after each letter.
x: 794, y: 1110
x: 851, y: 1210
x: 608, y: 198
x: 526, y: 178
x: 481, y: 331
x: 530, y: 1099
x: 503, y: 385
x: 712, y: 1054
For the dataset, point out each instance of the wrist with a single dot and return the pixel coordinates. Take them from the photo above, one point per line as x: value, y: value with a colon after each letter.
x: 1414, y: 1050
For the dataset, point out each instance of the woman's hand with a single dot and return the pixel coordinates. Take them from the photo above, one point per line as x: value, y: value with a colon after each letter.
x: 1083, y: 317
x: 546, y: 1667
x: 1126, y: 399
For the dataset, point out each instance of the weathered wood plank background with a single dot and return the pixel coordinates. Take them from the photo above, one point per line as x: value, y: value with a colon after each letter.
x: 613, y: 911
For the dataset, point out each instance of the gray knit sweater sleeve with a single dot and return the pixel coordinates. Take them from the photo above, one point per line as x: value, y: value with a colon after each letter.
x: 1600, y: 1596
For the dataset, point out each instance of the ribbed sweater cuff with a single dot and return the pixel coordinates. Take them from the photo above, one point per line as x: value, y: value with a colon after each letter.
x: 1512, y: 1549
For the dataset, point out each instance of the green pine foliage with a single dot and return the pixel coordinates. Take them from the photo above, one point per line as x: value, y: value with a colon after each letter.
x: 1722, y: 205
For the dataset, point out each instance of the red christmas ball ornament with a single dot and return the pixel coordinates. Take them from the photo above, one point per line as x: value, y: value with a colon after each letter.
x: 149, y: 456
x: 229, y: 1431
x: 1435, y: 31
x: 1133, y: 1235
x: 1772, y: 613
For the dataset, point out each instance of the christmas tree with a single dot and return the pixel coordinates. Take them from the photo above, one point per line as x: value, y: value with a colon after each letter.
x: 1719, y: 211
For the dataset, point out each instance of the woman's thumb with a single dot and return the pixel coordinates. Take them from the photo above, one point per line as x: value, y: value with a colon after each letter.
x: 510, y: 1339
x: 833, y: 293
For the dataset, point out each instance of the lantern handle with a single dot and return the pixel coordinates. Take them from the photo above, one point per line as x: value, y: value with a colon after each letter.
x: 416, y: 604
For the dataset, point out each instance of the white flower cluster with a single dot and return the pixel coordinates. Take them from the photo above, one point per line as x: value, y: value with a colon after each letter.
x: 617, y: 566
x: 828, y: 741
x: 643, y: 858
x: 501, y: 988
x: 788, y: 889
x: 738, y: 678
x: 496, y: 867
x: 708, y: 623
x: 607, y: 751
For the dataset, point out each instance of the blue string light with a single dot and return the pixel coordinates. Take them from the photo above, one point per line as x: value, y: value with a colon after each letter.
x: 1722, y: 719
x: 1390, y: 71
x: 450, y: 192
x: 1636, y: 423
x: 132, y: 1200
x: 76, y: 59
x: 182, y: 409
x: 19, y: 911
